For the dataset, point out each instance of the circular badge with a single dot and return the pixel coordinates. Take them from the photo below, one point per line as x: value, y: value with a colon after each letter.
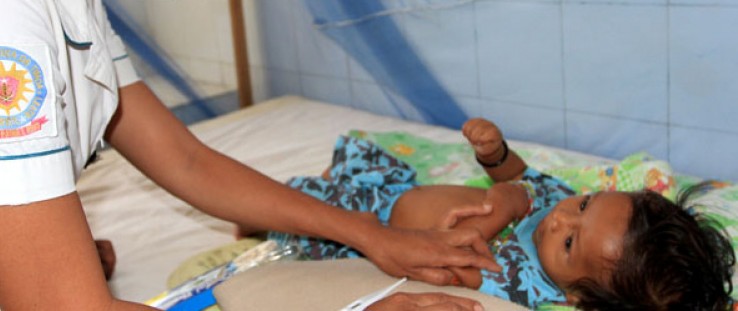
x: 22, y: 93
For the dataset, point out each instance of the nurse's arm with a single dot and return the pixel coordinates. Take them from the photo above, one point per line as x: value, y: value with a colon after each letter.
x: 49, y: 260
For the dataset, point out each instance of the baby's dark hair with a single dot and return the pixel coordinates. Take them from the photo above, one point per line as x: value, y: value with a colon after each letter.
x: 671, y: 260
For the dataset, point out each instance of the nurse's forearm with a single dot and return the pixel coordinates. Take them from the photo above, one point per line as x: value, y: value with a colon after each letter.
x: 229, y: 190
x: 151, y: 138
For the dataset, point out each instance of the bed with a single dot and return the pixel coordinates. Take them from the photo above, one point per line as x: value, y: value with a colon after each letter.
x: 154, y: 233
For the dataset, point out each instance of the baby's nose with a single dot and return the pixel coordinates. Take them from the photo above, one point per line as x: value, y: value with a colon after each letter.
x: 561, y: 219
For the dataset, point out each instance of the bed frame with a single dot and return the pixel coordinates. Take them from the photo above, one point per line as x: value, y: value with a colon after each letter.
x: 241, y: 54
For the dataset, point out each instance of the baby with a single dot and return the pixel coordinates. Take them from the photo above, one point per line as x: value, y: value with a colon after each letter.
x: 606, y: 250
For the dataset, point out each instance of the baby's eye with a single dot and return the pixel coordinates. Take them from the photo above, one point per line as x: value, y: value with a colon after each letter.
x: 567, y: 244
x: 583, y: 204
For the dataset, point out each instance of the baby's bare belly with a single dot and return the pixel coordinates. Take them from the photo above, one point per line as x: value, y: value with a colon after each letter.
x: 423, y: 207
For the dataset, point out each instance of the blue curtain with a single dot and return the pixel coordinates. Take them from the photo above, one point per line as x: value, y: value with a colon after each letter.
x: 366, y: 30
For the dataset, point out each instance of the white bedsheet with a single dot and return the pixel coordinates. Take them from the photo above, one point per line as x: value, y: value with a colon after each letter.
x: 153, y: 232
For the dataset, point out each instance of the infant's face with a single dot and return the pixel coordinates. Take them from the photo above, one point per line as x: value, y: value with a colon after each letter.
x: 582, y: 235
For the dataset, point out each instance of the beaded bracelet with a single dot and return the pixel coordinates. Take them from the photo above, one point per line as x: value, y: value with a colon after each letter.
x: 498, y: 163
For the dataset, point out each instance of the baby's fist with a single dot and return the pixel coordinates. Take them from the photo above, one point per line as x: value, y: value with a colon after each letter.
x: 485, y: 138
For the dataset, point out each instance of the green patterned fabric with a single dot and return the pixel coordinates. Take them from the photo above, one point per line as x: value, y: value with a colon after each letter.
x: 721, y: 205
x: 436, y: 163
x: 454, y: 163
x: 635, y: 172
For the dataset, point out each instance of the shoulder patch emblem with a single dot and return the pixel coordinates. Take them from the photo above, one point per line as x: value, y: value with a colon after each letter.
x: 23, y: 94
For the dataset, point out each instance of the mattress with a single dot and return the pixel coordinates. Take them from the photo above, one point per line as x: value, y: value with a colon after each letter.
x: 153, y: 232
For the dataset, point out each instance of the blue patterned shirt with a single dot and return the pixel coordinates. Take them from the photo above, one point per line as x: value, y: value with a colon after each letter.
x: 522, y: 279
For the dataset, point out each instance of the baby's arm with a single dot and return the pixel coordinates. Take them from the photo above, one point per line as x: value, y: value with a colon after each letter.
x: 500, y: 163
x: 510, y: 202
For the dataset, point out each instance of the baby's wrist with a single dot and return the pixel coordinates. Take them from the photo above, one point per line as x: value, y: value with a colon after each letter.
x: 496, y: 159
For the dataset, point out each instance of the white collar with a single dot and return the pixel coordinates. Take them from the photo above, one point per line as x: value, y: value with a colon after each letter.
x: 75, y: 18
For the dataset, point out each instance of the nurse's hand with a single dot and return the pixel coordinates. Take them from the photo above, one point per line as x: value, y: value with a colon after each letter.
x: 426, y: 255
x: 425, y: 302
x: 455, y: 215
x: 107, y: 257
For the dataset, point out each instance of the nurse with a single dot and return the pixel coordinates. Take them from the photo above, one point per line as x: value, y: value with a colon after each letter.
x: 66, y: 84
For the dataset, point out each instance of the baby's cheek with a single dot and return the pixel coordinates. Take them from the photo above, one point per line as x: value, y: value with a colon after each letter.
x: 546, y: 256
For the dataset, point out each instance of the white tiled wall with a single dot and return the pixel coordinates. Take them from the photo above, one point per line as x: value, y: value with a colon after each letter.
x: 609, y: 77
x: 196, y: 35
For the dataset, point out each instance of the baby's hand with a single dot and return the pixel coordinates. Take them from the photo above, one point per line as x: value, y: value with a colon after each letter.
x: 485, y: 138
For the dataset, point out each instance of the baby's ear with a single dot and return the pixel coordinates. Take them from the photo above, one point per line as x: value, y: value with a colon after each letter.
x: 571, y: 299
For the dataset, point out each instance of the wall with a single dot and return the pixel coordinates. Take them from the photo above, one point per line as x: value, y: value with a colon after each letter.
x: 608, y: 77
x: 196, y: 35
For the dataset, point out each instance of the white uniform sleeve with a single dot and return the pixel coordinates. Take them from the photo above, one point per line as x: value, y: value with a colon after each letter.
x: 35, y: 157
